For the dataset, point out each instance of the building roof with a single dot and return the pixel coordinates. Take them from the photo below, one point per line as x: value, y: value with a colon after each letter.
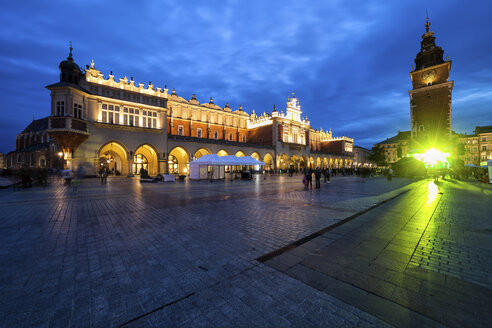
x: 402, y: 135
x: 37, y: 125
x: 41, y: 146
x: 67, y: 84
x: 483, y: 129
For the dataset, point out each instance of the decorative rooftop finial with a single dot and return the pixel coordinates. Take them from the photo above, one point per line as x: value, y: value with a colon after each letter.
x: 92, y: 63
x: 70, y: 54
x: 240, y: 108
x: 427, y: 24
x: 110, y: 72
x: 211, y: 100
x: 293, y: 94
x: 174, y: 92
x: 274, y: 108
x: 131, y: 78
x: 447, y: 57
x: 193, y: 97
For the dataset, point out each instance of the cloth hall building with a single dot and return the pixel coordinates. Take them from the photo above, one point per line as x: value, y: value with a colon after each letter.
x: 97, y: 121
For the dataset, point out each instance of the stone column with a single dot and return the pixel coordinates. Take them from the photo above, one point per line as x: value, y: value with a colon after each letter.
x: 130, y: 167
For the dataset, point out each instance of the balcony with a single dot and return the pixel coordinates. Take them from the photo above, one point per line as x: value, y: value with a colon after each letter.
x: 68, y: 132
x: 67, y: 124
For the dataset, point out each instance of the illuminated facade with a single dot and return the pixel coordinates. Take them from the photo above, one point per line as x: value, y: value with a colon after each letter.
x: 116, y: 123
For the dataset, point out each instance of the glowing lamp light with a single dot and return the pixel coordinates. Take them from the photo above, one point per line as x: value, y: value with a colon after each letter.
x: 60, y: 154
x: 432, y: 157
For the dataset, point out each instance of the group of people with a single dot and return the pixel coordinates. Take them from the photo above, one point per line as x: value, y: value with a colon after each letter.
x: 308, y: 177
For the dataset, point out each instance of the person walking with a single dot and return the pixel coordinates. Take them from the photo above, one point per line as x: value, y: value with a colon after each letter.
x: 317, y: 175
x: 309, y: 178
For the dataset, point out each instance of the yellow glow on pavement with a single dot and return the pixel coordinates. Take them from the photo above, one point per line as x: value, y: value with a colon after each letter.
x: 432, y: 192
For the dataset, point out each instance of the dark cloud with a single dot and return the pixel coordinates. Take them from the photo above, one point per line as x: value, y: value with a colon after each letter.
x: 347, y: 61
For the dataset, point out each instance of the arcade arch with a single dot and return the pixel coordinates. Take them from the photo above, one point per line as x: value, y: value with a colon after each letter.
x: 255, y: 155
x: 268, y: 160
x: 283, y: 162
x: 294, y: 162
x: 113, y: 157
x: 240, y: 153
x: 146, y: 158
x: 222, y: 152
x: 202, y: 151
x: 178, y: 161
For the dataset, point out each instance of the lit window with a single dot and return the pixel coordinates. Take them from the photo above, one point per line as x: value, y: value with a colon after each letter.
x: 199, y: 133
x: 484, y: 147
x: 216, y: 135
x: 230, y: 136
x: 180, y: 130
x: 244, y: 138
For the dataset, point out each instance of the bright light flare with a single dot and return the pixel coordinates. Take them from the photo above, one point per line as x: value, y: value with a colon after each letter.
x: 432, y: 157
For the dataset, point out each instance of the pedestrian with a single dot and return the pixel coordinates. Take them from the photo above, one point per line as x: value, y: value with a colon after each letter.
x: 309, y: 178
x: 324, y: 174
x: 317, y: 175
x: 390, y: 174
x: 328, y: 174
x: 103, y: 175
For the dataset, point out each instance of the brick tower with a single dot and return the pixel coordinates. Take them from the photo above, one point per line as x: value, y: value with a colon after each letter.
x: 430, y: 97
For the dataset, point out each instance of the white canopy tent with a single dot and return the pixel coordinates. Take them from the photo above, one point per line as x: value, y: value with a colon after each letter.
x: 213, y: 166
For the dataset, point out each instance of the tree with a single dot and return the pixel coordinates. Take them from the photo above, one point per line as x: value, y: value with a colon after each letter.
x: 378, y: 156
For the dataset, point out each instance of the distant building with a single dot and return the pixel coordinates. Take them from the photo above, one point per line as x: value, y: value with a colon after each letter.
x: 397, y: 147
x: 470, y: 148
x: 35, y: 148
x: 361, y: 157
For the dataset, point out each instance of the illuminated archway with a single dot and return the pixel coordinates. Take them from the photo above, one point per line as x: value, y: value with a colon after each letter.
x: 268, y: 160
x: 294, y: 162
x: 311, y: 162
x: 146, y: 158
x: 303, y: 162
x: 283, y: 162
x: 318, y: 162
x: 255, y: 155
x: 222, y: 152
x: 202, y: 151
x: 325, y: 163
x: 240, y: 153
x: 113, y: 157
x: 178, y: 161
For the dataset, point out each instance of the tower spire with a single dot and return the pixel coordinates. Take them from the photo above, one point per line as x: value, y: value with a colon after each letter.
x: 70, y: 54
x: 427, y: 24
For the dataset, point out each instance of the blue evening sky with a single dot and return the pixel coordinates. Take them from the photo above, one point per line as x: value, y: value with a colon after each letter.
x: 347, y: 61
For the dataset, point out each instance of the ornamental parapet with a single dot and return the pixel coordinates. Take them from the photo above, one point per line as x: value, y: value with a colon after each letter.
x: 67, y: 124
x: 92, y: 75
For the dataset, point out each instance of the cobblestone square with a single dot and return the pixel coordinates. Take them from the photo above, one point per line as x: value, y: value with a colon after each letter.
x: 185, y: 254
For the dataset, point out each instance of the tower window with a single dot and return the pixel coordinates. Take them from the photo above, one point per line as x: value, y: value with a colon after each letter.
x: 199, y: 132
x: 216, y: 135
x: 244, y: 138
x: 180, y: 130
x: 60, y: 108
x: 230, y: 136
x: 77, y: 111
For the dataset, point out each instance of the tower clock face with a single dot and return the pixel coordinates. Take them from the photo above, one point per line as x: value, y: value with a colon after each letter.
x: 429, y: 75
